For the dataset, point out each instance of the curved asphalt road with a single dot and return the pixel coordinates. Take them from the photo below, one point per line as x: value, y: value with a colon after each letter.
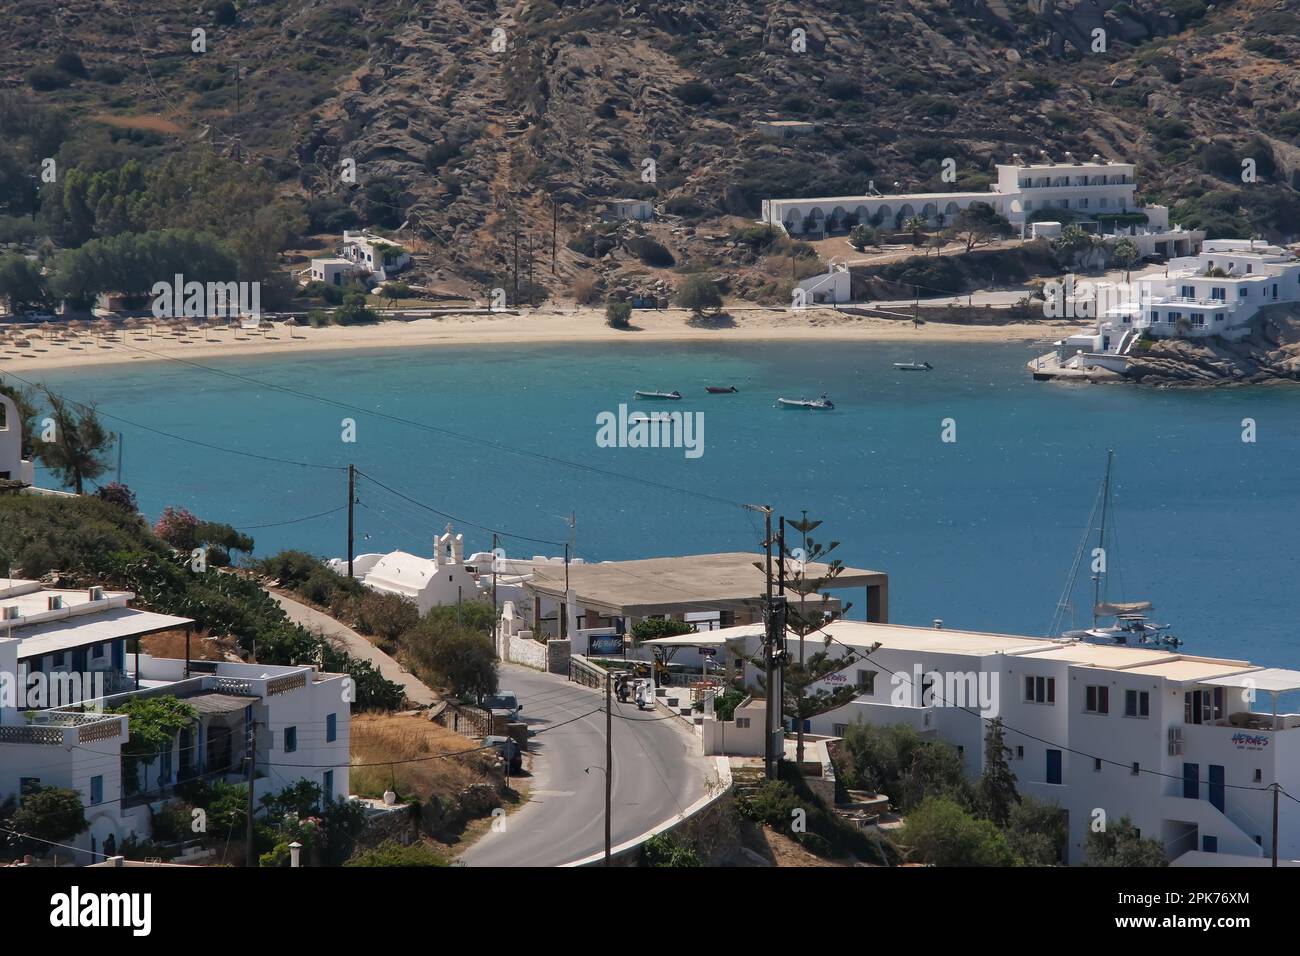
x: 658, y: 773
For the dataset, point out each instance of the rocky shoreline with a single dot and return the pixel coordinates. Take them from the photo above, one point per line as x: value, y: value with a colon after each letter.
x: 1270, y: 355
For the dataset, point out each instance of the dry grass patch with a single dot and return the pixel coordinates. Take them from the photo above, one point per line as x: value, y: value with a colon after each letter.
x: 377, y: 738
x: 171, y: 644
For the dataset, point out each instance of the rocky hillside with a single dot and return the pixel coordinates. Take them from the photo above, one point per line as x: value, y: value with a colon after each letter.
x: 476, y: 124
x: 1270, y: 355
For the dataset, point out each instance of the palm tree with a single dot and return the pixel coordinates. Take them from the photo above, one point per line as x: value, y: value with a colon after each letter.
x: 1124, y: 255
x: 915, y: 225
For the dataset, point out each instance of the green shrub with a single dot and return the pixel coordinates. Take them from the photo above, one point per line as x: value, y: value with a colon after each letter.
x: 942, y: 833
x: 618, y: 315
x: 667, y: 850
x: 390, y: 853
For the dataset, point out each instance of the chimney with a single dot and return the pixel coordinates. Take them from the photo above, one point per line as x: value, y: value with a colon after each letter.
x: 938, y: 624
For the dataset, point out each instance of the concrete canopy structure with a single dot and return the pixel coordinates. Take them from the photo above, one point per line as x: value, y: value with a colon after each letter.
x: 727, y: 582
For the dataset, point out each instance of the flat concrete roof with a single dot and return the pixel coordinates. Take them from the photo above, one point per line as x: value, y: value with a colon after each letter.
x: 83, y: 629
x: 936, y: 640
x: 863, y: 634
x: 1189, y: 670
x: 1113, y: 656
x: 691, y: 582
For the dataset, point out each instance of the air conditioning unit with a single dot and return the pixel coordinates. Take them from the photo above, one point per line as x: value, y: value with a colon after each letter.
x: 96, y: 593
x: 54, y: 602
x: 10, y: 612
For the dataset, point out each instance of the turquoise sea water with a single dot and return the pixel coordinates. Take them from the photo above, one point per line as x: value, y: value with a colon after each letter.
x: 980, y: 532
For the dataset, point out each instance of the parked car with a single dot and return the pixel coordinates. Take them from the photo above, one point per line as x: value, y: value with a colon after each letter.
x: 36, y: 317
x: 509, y: 751
x: 503, y: 702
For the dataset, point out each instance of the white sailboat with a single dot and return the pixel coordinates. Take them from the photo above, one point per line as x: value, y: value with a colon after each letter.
x: 1129, y: 624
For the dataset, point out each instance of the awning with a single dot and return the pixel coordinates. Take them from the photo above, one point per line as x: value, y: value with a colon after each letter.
x: 81, y: 630
x: 218, y: 703
x: 1271, y: 680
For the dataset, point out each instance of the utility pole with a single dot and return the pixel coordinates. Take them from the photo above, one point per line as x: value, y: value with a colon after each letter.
x: 774, y: 632
x: 516, y: 279
x: 495, y: 610
x: 238, y: 111
x: 250, y: 854
x: 120, y: 438
x: 1276, y: 788
x: 532, y: 300
x: 352, y: 484
x: 563, y: 623
x: 609, y: 759
x: 555, y: 222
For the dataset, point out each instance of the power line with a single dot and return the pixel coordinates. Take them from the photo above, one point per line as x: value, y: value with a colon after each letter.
x: 450, y: 517
x: 181, y: 438
x: 279, y: 524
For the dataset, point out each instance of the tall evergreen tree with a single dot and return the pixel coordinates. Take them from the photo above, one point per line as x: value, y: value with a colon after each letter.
x: 997, y: 789
x: 78, y: 451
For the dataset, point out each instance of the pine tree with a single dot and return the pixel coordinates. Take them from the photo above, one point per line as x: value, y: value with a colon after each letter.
x: 997, y: 784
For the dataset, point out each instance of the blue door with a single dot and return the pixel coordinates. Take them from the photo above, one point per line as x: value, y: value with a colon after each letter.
x: 1216, y: 787
x: 1053, y: 766
x: 1192, y: 781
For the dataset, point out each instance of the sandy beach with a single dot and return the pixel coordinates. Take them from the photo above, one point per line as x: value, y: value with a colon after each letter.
x: 52, y: 348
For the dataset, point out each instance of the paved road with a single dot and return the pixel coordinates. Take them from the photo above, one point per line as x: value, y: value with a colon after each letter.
x: 657, y: 774
x: 356, y: 646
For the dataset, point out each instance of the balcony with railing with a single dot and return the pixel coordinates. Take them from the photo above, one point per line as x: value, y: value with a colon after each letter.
x: 63, y: 728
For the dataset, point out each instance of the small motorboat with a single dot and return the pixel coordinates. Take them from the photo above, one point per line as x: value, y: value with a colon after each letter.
x: 720, y: 389
x: 913, y: 366
x: 673, y: 396
x: 822, y: 402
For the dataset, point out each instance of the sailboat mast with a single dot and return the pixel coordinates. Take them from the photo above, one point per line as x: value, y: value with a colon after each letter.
x: 1101, y: 537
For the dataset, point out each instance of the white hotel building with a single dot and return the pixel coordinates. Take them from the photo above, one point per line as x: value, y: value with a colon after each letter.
x: 67, y: 657
x: 1214, y: 293
x: 1183, y: 745
x: 1025, y: 192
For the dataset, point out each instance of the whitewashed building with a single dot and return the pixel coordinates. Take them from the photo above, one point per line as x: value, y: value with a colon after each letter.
x: 67, y: 658
x: 375, y: 257
x: 1218, y: 291
x: 1099, y: 192
x: 1184, y: 745
x: 1214, y: 293
x: 444, y: 578
x: 334, y: 271
x: 13, y: 467
x: 640, y: 210
x: 831, y: 287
